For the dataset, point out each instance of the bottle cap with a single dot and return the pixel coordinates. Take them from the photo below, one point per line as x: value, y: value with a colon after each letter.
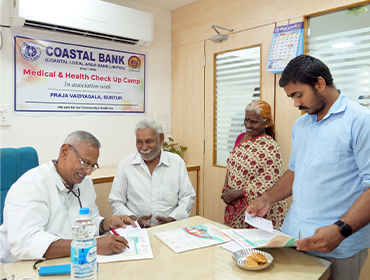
x: 84, y: 211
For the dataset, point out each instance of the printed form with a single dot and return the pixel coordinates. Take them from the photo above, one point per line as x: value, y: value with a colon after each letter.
x: 138, y: 241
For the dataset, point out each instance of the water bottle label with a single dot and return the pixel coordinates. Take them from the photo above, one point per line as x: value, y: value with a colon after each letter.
x: 83, y: 256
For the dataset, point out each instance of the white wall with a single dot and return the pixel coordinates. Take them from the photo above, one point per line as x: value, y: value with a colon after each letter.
x: 115, y: 131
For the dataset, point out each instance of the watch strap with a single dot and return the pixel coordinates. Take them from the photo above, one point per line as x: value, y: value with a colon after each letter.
x: 345, y: 229
x: 101, y: 226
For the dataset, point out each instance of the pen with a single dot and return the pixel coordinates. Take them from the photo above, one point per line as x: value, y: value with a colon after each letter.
x: 115, y: 233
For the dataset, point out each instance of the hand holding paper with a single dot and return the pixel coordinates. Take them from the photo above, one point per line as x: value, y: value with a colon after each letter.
x: 258, y: 222
x: 129, y: 230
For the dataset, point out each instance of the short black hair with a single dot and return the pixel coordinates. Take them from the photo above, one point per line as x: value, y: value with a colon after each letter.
x: 305, y: 69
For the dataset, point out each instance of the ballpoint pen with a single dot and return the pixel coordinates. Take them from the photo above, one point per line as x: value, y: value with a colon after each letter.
x: 115, y: 233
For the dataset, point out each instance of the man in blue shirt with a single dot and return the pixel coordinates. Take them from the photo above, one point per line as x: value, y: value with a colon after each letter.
x: 329, y: 171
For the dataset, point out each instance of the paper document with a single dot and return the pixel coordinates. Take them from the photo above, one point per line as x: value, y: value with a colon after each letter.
x: 193, y: 237
x: 232, y: 246
x: 129, y: 230
x: 256, y: 238
x: 258, y: 222
x: 139, y: 243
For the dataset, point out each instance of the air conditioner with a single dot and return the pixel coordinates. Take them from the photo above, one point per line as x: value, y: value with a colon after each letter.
x: 89, y: 18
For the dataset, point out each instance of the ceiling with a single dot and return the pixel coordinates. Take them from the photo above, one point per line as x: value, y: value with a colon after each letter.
x: 167, y: 5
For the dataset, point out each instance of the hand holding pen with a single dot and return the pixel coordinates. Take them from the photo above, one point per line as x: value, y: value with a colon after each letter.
x: 110, y: 244
x: 115, y: 233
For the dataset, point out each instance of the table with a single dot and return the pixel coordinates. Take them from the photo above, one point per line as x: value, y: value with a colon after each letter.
x: 206, y: 263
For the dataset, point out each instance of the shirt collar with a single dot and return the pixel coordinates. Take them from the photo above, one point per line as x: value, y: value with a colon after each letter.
x: 338, y: 106
x: 58, y: 181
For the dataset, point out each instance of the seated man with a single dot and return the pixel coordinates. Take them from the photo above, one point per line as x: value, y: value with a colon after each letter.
x: 151, y: 185
x: 42, y: 206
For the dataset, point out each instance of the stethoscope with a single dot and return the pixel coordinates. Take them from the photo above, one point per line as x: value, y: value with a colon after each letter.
x: 70, y: 189
x: 75, y: 194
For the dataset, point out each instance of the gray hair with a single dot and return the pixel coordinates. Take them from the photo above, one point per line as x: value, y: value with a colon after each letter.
x: 149, y: 123
x: 261, y: 108
x: 80, y: 136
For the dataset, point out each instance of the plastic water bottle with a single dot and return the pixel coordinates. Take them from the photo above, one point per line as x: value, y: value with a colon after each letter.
x: 83, y: 247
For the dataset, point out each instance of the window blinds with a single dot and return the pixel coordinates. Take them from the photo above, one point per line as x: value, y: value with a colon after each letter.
x: 237, y: 83
x: 347, y: 54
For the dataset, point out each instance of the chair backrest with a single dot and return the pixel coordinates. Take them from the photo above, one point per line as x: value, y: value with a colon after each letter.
x: 14, y: 162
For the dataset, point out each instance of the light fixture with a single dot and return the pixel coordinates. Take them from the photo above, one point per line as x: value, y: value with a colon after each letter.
x: 343, y: 45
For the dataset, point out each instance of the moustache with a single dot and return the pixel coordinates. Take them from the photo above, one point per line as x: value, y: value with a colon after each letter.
x: 302, y: 108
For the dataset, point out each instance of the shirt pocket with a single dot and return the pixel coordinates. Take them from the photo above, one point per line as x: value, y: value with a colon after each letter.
x: 168, y: 194
x: 326, y: 154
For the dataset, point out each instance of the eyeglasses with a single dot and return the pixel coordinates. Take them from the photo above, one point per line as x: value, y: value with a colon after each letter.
x: 85, y: 165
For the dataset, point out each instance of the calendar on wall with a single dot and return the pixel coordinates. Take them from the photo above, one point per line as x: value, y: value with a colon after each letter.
x: 287, y: 43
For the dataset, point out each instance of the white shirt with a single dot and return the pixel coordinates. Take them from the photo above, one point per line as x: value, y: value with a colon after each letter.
x: 39, y: 210
x: 167, y: 192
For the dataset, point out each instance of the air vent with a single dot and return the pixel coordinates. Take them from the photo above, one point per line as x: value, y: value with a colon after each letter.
x: 44, y: 26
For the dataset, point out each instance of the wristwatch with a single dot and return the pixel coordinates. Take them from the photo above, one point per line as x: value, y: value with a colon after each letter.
x: 345, y: 229
x: 101, y: 226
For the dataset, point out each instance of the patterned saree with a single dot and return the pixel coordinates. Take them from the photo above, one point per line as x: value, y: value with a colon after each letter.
x: 254, y: 166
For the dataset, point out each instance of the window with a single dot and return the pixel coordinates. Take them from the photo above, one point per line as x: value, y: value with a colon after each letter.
x: 237, y: 83
x: 341, y: 39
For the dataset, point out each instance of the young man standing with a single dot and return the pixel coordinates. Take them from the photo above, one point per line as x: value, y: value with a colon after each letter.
x: 329, y: 170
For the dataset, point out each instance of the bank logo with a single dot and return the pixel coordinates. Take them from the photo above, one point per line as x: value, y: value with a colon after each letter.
x: 30, y: 51
x: 134, y: 63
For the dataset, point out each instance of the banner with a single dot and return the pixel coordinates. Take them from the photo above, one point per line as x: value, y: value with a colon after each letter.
x: 55, y: 76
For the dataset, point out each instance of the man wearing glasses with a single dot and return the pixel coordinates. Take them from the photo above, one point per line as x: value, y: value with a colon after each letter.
x: 42, y: 206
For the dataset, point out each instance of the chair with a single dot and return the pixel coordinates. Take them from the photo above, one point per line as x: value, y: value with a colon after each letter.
x: 14, y: 162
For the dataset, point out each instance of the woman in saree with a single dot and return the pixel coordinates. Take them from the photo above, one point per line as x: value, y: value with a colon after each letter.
x: 254, y: 165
